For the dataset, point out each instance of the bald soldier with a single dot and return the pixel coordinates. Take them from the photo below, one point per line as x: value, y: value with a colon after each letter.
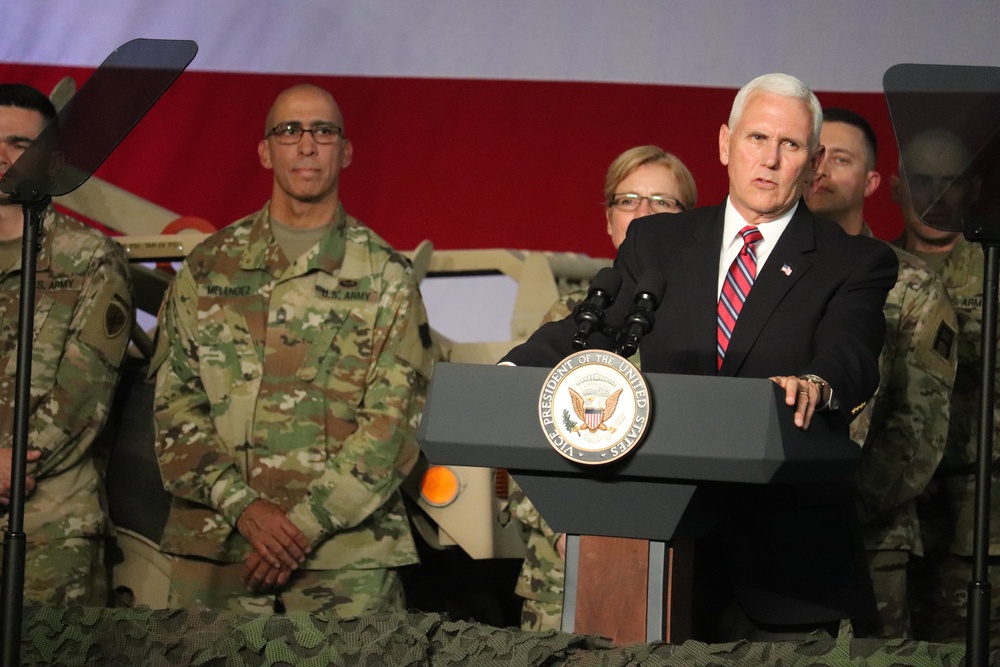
x: 904, y: 427
x: 937, y: 194
x: 293, y: 358
x: 83, y: 309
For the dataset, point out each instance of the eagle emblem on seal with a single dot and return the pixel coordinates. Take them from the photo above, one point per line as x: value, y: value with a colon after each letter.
x: 592, y: 412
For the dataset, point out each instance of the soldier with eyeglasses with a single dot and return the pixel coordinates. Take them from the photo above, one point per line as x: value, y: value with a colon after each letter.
x: 291, y: 368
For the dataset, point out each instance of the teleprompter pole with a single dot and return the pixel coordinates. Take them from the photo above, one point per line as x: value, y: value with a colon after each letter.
x: 14, y: 542
x: 977, y: 638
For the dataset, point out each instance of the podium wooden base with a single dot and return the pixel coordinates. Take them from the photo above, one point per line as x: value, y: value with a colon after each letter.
x: 628, y: 590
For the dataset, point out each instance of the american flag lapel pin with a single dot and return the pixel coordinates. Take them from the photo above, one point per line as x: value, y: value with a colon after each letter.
x: 787, y: 270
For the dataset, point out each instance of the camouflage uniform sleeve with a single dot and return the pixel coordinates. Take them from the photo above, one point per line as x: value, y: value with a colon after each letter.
x: 909, y: 423
x: 522, y: 509
x: 72, y: 411
x: 376, y: 457
x: 193, y: 464
x: 562, y: 308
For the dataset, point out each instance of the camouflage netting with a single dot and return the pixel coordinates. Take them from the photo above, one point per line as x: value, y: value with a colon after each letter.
x: 109, y: 637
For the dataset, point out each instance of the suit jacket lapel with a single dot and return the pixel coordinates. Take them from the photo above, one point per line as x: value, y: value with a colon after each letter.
x: 786, y: 264
x: 698, y: 282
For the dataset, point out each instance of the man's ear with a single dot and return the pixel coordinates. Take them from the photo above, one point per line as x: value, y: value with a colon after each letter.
x: 264, y: 153
x: 724, y: 145
x: 817, y: 158
x: 874, y: 179
x: 347, y: 155
x: 57, y: 162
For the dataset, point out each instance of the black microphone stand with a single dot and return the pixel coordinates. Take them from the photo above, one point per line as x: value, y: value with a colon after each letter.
x: 589, y: 315
x: 640, y: 318
x: 14, y: 542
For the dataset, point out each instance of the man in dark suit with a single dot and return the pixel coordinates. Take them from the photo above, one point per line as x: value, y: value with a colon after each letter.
x: 812, y: 322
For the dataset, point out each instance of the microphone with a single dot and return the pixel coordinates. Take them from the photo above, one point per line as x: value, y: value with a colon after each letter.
x: 640, y: 320
x: 589, y: 315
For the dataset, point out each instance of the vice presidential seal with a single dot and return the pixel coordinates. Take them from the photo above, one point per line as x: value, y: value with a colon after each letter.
x: 594, y: 407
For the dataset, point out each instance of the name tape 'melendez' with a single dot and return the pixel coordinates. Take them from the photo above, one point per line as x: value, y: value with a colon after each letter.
x: 594, y: 407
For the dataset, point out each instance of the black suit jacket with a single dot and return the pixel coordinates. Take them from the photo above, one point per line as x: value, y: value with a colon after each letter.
x: 793, y: 555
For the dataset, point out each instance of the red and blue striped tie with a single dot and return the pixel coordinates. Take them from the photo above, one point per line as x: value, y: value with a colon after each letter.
x: 735, y: 288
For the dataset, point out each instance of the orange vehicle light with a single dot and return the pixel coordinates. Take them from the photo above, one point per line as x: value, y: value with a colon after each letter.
x: 439, y: 486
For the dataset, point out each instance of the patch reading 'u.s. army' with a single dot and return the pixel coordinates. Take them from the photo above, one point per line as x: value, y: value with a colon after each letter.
x: 594, y: 407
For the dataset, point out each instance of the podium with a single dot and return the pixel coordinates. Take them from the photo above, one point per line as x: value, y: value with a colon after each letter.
x: 708, y: 438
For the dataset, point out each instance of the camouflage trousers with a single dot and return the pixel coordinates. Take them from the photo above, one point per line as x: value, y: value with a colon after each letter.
x: 939, y: 597
x: 67, y: 572
x: 539, y: 616
x: 206, y: 584
x: 888, y: 571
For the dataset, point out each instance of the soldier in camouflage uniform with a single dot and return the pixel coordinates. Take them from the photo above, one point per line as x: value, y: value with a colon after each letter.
x: 82, y: 315
x: 293, y: 358
x: 543, y: 574
x: 903, y: 432
x: 938, y: 158
x: 903, y: 429
x: 641, y: 181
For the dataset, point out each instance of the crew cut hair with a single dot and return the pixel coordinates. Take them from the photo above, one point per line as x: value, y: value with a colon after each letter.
x: 848, y: 117
x: 21, y: 96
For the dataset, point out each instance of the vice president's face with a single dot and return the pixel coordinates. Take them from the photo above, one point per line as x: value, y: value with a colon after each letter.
x: 768, y: 155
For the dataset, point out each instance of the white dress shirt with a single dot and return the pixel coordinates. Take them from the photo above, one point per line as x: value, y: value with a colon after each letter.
x: 732, y: 242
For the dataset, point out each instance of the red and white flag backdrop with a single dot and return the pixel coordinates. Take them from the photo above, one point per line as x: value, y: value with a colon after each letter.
x: 481, y: 123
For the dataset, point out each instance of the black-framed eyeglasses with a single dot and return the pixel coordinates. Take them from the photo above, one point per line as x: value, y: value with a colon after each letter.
x: 630, y: 201
x: 291, y: 133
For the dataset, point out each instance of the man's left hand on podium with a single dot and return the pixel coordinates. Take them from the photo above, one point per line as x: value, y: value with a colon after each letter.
x: 805, y: 394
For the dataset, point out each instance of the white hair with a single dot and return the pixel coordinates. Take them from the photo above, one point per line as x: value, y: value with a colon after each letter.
x: 784, y: 85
